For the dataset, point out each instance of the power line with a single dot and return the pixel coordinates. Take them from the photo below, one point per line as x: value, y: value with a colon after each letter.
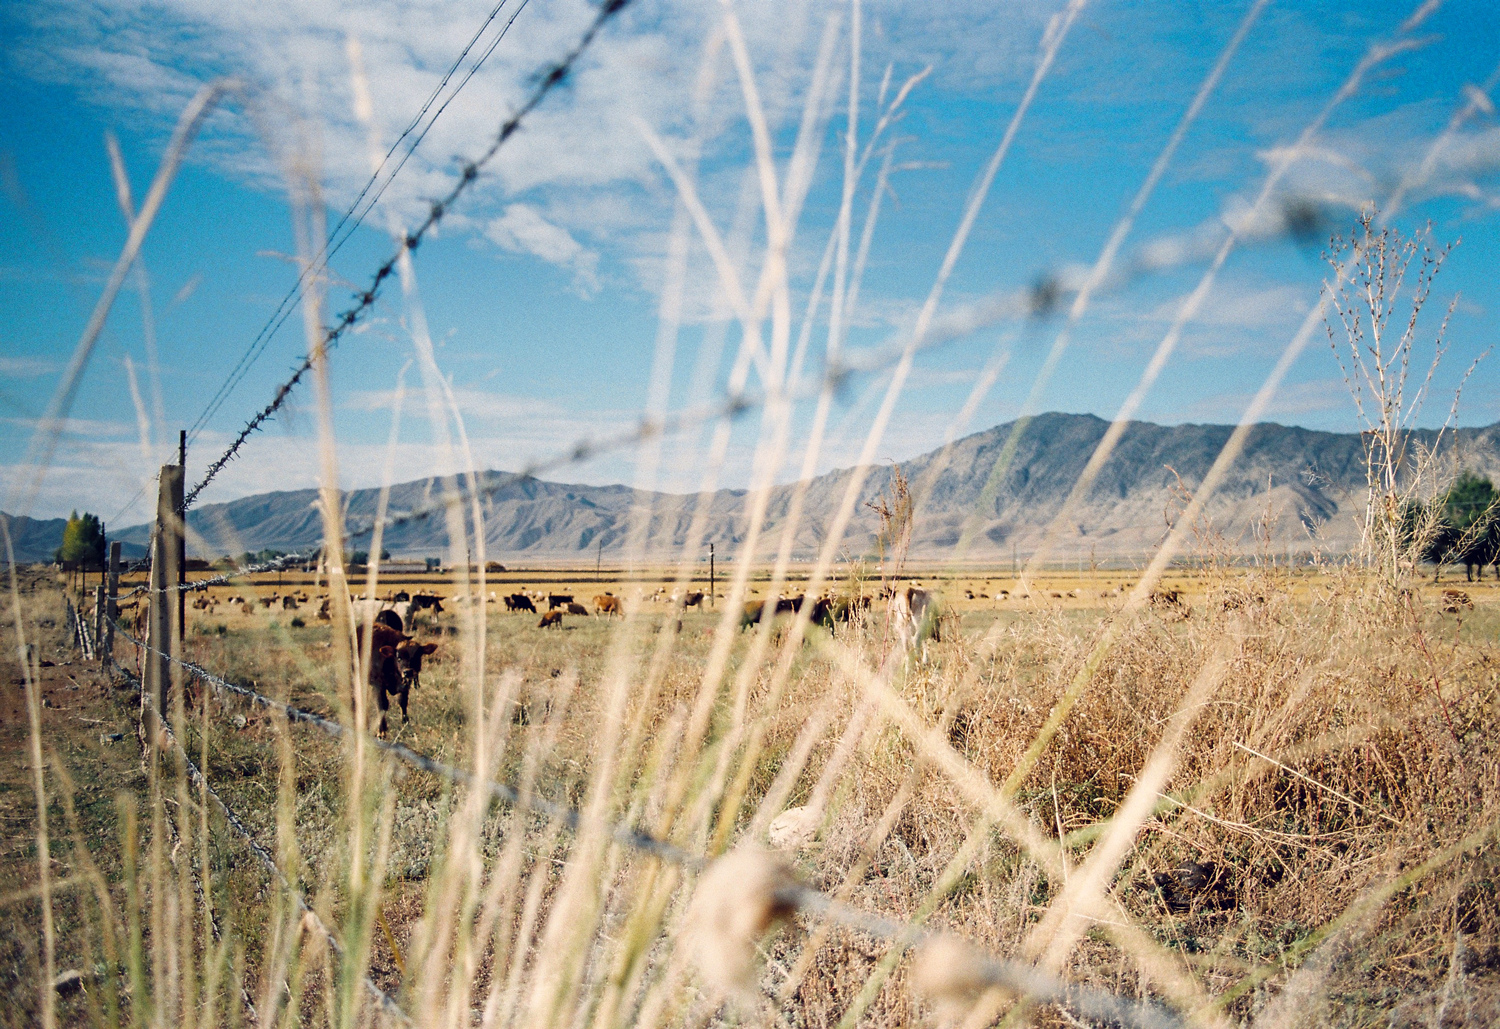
x: 334, y: 243
x: 547, y: 81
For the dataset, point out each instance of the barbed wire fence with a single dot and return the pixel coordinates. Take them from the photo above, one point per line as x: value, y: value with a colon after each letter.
x: 361, y: 206
x: 791, y: 894
x: 547, y: 81
x: 1050, y: 292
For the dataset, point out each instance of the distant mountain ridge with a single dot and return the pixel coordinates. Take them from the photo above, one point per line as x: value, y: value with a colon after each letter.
x: 35, y: 540
x: 1307, y: 487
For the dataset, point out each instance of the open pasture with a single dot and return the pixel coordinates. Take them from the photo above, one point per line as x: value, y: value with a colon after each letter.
x: 1332, y: 756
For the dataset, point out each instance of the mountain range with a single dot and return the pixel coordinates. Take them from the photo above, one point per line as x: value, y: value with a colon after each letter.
x: 1292, y: 489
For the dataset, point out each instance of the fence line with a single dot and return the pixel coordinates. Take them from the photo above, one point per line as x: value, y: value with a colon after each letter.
x: 1018, y: 976
x: 366, y: 300
x: 386, y: 1002
x: 569, y: 817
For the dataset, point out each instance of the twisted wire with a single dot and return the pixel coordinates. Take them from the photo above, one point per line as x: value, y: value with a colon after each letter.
x: 331, y: 248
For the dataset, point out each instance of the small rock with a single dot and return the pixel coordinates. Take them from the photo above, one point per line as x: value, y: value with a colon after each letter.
x: 793, y: 828
x: 111, y: 737
x: 68, y: 983
x: 240, y: 721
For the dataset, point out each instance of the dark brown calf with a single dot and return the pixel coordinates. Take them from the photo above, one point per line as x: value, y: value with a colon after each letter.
x: 384, y: 676
x: 395, y: 667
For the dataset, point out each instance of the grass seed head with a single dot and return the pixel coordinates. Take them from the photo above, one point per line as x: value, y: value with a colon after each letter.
x: 738, y: 900
x: 950, y: 975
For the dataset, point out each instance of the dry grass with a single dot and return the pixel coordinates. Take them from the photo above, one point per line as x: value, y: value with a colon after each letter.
x: 1245, y: 794
x: 1319, y: 768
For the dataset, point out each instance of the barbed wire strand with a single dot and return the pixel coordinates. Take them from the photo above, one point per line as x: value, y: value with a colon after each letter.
x: 469, y: 174
x: 276, y: 564
x: 334, y: 243
x: 506, y: 794
x: 1018, y: 976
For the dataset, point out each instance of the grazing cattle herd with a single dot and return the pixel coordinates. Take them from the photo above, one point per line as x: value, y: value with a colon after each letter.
x: 391, y: 655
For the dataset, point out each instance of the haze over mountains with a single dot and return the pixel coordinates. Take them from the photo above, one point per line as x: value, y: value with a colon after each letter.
x: 1308, y: 486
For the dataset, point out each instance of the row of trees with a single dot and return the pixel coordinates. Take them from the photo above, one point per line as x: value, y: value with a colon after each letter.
x: 1461, y: 526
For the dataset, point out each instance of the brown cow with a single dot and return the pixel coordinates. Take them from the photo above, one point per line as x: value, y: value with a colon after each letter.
x: 750, y: 613
x: 552, y: 619
x: 607, y: 604
x: 268, y: 601
x: 693, y: 599
x: 576, y: 609
x: 384, y: 676
x: 395, y: 667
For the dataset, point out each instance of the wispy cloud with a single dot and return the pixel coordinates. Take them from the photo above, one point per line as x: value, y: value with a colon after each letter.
x: 522, y: 229
x: 26, y: 367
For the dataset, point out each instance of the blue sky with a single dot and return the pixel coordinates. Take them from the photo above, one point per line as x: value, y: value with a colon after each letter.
x: 542, y: 292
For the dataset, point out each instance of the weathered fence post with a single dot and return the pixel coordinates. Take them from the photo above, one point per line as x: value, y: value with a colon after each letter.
x: 100, y: 607
x: 181, y: 512
x: 165, y: 625
x: 112, y: 603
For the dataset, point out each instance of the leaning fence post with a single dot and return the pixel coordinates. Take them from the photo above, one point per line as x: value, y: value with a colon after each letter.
x: 162, y: 638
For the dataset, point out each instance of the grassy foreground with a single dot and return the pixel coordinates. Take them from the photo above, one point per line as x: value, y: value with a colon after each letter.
x: 1274, y: 803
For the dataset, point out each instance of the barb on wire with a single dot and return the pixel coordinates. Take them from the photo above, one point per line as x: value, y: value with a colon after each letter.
x: 1018, y: 976
x: 385, y: 1000
x: 546, y: 82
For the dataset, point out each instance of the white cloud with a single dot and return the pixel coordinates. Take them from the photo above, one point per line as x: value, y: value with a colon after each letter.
x: 26, y: 367
x: 522, y: 229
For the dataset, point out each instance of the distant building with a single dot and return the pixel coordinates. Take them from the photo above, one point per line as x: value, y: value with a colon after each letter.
x: 405, y: 567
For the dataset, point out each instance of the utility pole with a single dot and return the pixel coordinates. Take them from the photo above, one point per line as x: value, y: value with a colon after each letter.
x: 599, y: 558
x: 710, y: 575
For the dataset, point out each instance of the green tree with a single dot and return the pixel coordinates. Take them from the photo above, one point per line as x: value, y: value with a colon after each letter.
x: 1467, y: 523
x: 83, y: 542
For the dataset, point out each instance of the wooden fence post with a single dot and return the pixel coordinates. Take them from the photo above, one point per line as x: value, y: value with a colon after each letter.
x: 111, y: 603
x: 100, y: 607
x: 163, y: 633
